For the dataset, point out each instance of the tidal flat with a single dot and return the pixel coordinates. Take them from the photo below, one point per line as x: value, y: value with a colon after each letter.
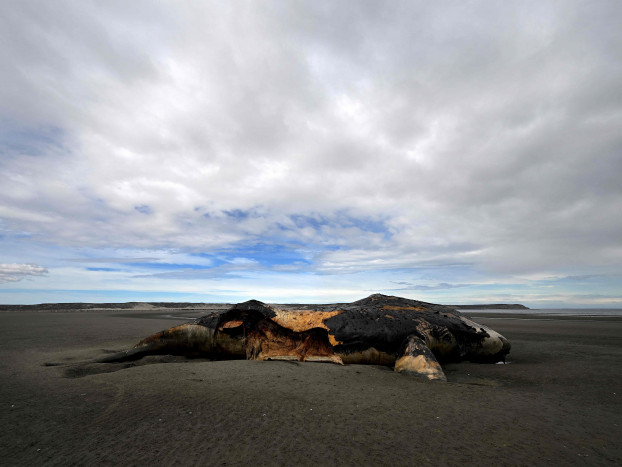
x: 556, y: 401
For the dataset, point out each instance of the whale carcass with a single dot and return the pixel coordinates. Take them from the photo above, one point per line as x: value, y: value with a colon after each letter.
x: 413, y: 337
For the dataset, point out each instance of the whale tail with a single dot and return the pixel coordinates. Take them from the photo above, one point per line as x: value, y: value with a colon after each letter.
x: 185, y: 339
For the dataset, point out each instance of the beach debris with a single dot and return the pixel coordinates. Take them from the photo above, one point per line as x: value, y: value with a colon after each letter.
x: 413, y: 337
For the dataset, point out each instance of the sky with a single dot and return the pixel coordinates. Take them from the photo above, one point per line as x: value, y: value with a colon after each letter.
x: 311, y: 151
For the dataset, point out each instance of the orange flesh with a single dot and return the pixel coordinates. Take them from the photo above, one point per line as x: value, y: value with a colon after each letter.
x: 269, y: 340
x: 303, y: 320
x: 414, y: 308
x: 231, y: 324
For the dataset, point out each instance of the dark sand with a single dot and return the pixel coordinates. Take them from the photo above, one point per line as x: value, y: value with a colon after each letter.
x: 558, y: 401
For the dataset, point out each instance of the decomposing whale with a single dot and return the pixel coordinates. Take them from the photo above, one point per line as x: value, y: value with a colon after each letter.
x: 411, y: 336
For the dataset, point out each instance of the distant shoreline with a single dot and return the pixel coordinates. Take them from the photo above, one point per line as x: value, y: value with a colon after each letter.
x: 148, y: 306
x: 494, y: 306
x: 127, y: 306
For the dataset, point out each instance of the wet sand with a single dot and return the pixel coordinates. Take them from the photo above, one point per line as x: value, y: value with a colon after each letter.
x: 557, y: 401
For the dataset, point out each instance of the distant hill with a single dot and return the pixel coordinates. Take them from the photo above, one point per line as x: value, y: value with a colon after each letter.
x: 492, y: 306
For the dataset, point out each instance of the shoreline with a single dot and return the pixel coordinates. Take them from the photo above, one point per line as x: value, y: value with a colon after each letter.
x: 544, y: 317
x: 583, y: 314
x: 173, y: 307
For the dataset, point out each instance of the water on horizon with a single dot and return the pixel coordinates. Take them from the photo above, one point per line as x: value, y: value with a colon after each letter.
x: 549, y: 311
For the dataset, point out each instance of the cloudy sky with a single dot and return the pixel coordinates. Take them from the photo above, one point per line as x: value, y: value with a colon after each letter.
x: 453, y: 152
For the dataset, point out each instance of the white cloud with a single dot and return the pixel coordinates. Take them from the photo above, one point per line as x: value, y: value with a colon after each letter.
x: 17, y: 272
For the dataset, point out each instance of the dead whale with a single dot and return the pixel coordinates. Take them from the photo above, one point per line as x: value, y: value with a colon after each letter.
x: 412, y: 336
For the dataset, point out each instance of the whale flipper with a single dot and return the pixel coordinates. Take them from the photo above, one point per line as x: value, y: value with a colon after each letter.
x: 417, y: 359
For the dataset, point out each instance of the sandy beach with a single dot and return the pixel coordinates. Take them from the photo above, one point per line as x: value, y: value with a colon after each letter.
x: 557, y: 401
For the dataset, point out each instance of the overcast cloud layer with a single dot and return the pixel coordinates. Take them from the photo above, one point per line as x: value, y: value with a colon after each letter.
x: 311, y: 151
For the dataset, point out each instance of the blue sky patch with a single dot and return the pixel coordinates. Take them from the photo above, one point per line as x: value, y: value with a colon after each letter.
x: 238, y: 214
x: 143, y: 209
x: 29, y: 140
x: 167, y: 266
x: 104, y: 269
x: 339, y: 219
x: 266, y: 254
